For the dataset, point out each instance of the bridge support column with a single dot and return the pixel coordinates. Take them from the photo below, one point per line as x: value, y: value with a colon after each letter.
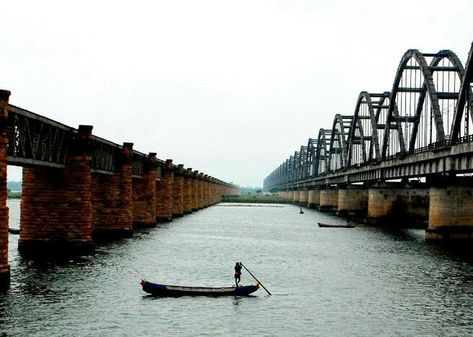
x: 303, y: 197
x: 195, y: 191
x: 200, y: 184
x: 164, y: 193
x: 211, y: 191
x: 4, y: 266
x: 144, y: 195
x: 397, y: 203
x: 187, y: 202
x: 178, y: 192
x: 112, y: 199
x: 352, y: 201
x: 206, y: 191
x: 451, y: 211
x: 313, y: 198
x: 215, y: 192
x: 328, y: 200
x: 56, y: 207
x: 290, y: 196
x: 295, y: 196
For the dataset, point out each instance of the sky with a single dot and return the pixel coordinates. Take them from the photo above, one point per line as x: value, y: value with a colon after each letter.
x: 229, y: 88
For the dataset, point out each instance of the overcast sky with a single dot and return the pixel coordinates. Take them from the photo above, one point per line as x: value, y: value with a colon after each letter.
x: 230, y: 88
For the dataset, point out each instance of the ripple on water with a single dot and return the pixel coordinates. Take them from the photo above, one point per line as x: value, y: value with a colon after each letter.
x: 325, y: 282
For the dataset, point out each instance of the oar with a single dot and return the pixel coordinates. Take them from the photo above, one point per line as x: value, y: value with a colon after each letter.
x: 255, y: 278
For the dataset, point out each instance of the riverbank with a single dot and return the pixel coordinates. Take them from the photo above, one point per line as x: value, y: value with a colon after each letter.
x: 255, y: 199
x: 14, y: 195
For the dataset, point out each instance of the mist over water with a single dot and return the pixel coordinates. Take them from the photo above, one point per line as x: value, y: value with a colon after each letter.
x: 364, y: 281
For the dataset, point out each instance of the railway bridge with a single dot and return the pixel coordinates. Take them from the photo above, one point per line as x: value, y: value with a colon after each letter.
x: 403, y: 155
x: 78, y: 187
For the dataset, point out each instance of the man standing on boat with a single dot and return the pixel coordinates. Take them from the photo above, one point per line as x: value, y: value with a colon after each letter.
x: 237, y: 273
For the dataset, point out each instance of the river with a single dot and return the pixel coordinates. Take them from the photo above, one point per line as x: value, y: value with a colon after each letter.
x: 364, y: 281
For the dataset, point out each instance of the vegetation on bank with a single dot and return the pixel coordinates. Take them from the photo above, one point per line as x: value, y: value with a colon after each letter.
x: 14, y: 189
x: 256, y: 199
x: 13, y: 195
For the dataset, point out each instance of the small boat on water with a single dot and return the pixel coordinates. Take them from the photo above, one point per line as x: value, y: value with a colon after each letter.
x: 336, y: 226
x: 157, y: 289
x: 13, y: 231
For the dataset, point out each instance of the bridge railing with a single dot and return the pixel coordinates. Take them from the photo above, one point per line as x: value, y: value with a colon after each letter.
x: 36, y: 140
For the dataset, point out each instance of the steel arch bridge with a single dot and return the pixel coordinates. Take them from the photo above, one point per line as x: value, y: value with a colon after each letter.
x: 409, y: 131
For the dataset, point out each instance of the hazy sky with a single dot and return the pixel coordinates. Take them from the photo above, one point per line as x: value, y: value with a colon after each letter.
x: 230, y: 88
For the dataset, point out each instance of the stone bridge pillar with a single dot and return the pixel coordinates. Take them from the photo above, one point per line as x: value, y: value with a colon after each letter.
x: 187, y: 201
x: 290, y: 196
x: 56, y: 207
x: 295, y: 196
x: 195, y: 191
x: 144, y: 194
x: 200, y: 181
x: 213, y: 192
x: 397, y: 203
x: 303, y: 197
x: 352, y: 201
x: 451, y: 211
x: 4, y: 266
x: 178, y: 192
x: 112, y: 199
x: 206, y: 191
x: 328, y: 199
x: 313, y: 198
x: 164, y: 189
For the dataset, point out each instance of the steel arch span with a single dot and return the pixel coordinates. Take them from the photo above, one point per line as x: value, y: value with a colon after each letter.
x: 423, y: 98
x: 428, y: 109
x: 338, y: 142
x: 367, y: 128
x: 322, y: 153
x: 311, y: 157
x: 461, y: 124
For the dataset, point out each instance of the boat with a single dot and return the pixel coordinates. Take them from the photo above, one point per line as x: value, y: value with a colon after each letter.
x: 336, y: 226
x: 157, y: 289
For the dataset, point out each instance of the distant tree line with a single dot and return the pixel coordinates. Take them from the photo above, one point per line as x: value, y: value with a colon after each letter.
x: 14, y: 189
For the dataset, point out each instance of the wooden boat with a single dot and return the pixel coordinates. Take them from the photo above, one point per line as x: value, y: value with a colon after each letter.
x: 336, y: 226
x: 13, y: 231
x: 157, y: 289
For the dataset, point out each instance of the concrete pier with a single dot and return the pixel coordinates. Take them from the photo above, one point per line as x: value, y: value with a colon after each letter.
x: 352, y: 201
x: 451, y: 211
x: 303, y: 197
x: 313, y: 198
x: 328, y: 199
x: 397, y: 203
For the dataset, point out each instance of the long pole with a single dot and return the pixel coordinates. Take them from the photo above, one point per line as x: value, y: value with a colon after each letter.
x: 255, y: 278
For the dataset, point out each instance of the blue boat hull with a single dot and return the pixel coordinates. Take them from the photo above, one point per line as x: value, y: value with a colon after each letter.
x: 157, y: 289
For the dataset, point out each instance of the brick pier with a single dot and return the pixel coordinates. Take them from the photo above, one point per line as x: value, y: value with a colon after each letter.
x: 56, y: 205
x: 4, y: 266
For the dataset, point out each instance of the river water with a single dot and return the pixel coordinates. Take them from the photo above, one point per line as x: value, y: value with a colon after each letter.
x: 364, y: 281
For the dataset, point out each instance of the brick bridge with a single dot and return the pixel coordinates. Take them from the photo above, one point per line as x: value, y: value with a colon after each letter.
x: 404, y: 155
x: 78, y: 187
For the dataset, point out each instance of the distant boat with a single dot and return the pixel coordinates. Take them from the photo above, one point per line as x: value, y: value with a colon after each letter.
x: 301, y: 211
x: 13, y: 231
x: 157, y: 289
x: 336, y: 226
